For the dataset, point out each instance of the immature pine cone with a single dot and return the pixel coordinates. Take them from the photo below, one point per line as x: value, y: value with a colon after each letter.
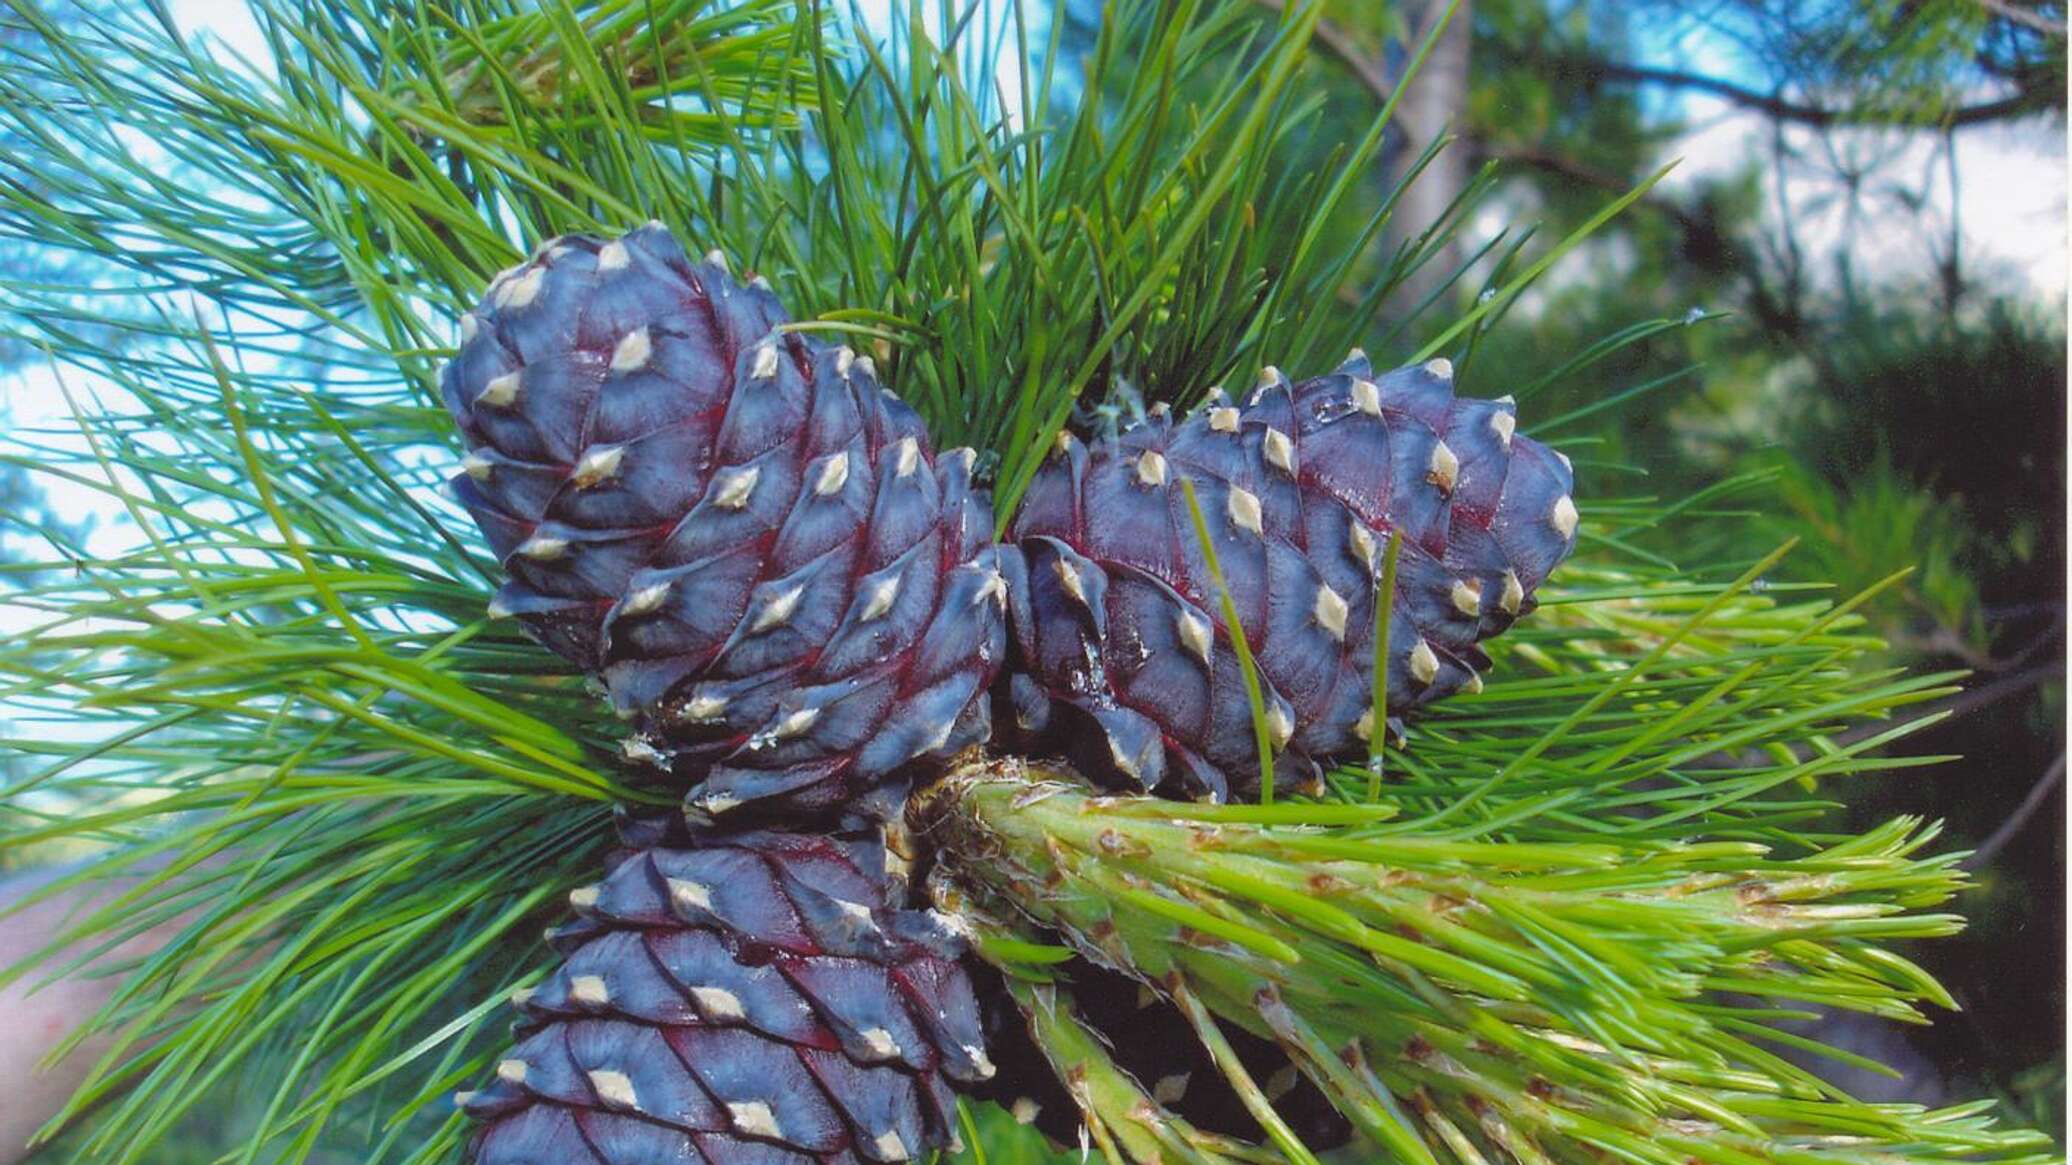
x: 758, y: 999
x: 750, y: 543
x: 1124, y: 659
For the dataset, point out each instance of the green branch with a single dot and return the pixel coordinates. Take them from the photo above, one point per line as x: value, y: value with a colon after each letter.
x: 1555, y: 1002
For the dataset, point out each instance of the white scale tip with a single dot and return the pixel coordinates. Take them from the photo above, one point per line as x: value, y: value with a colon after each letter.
x: 642, y: 751
x: 1514, y: 593
x: 880, y: 1044
x: 632, y: 351
x: 614, y: 1088
x: 469, y: 325
x: 890, y: 1147
x: 583, y: 897
x: 778, y: 610
x: 867, y: 366
x: 906, y: 456
x: 688, y: 894
x: 1444, y: 470
x: 794, y: 723
x: 544, y: 548
x: 501, y: 392
x: 994, y: 587
x: 1244, y: 509
x: 1367, y: 397
x: 589, y: 989
x: 1424, y: 663
x: 764, y: 366
x: 1503, y: 424
x: 612, y: 256
x: 704, y: 706
x: 845, y: 357
x: 1068, y: 575
x: 1196, y: 634
x: 834, y: 474
x: 939, y: 739
x: 1223, y: 419
x: 731, y: 488
x: 1564, y: 516
x: 1467, y: 596
x: 1281, y: 724
x: 1440, y: 367
x: 477, y: 466
x: 1269, y: 376
x: 520, y: 292
x: 645, y: 600
x: 719, y: 1004
x: 1361, y: 540
x: 1151, y: 468
x: 511, y: 1071
x: 718, y: 258
x: 754, y: 1118
x: 1280, y: 451
x: 878, y: 598
x: 597, y: 465
x: 1330, y: 611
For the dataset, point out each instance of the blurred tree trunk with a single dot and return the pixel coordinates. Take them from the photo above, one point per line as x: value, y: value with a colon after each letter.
x: 1436, y: 98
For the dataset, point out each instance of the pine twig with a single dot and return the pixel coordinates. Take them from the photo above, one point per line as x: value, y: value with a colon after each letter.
x: 2010, y: 828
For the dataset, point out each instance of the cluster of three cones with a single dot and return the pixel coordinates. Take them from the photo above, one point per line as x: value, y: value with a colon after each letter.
x: 800, y: 605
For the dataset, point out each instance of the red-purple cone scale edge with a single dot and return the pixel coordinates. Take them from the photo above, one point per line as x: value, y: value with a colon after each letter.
x: 1124, y: 659
x: 748, y: 541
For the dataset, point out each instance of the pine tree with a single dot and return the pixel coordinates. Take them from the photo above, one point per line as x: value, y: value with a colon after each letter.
x: 1554, y: 920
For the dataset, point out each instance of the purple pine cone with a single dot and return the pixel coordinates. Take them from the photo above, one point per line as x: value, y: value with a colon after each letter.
x: 761, y: 999
x: 1124, y: 660
x: 751, y: 543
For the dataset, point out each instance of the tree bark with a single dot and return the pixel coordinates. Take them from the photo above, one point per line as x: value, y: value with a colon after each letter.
x: 1432, y: 103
